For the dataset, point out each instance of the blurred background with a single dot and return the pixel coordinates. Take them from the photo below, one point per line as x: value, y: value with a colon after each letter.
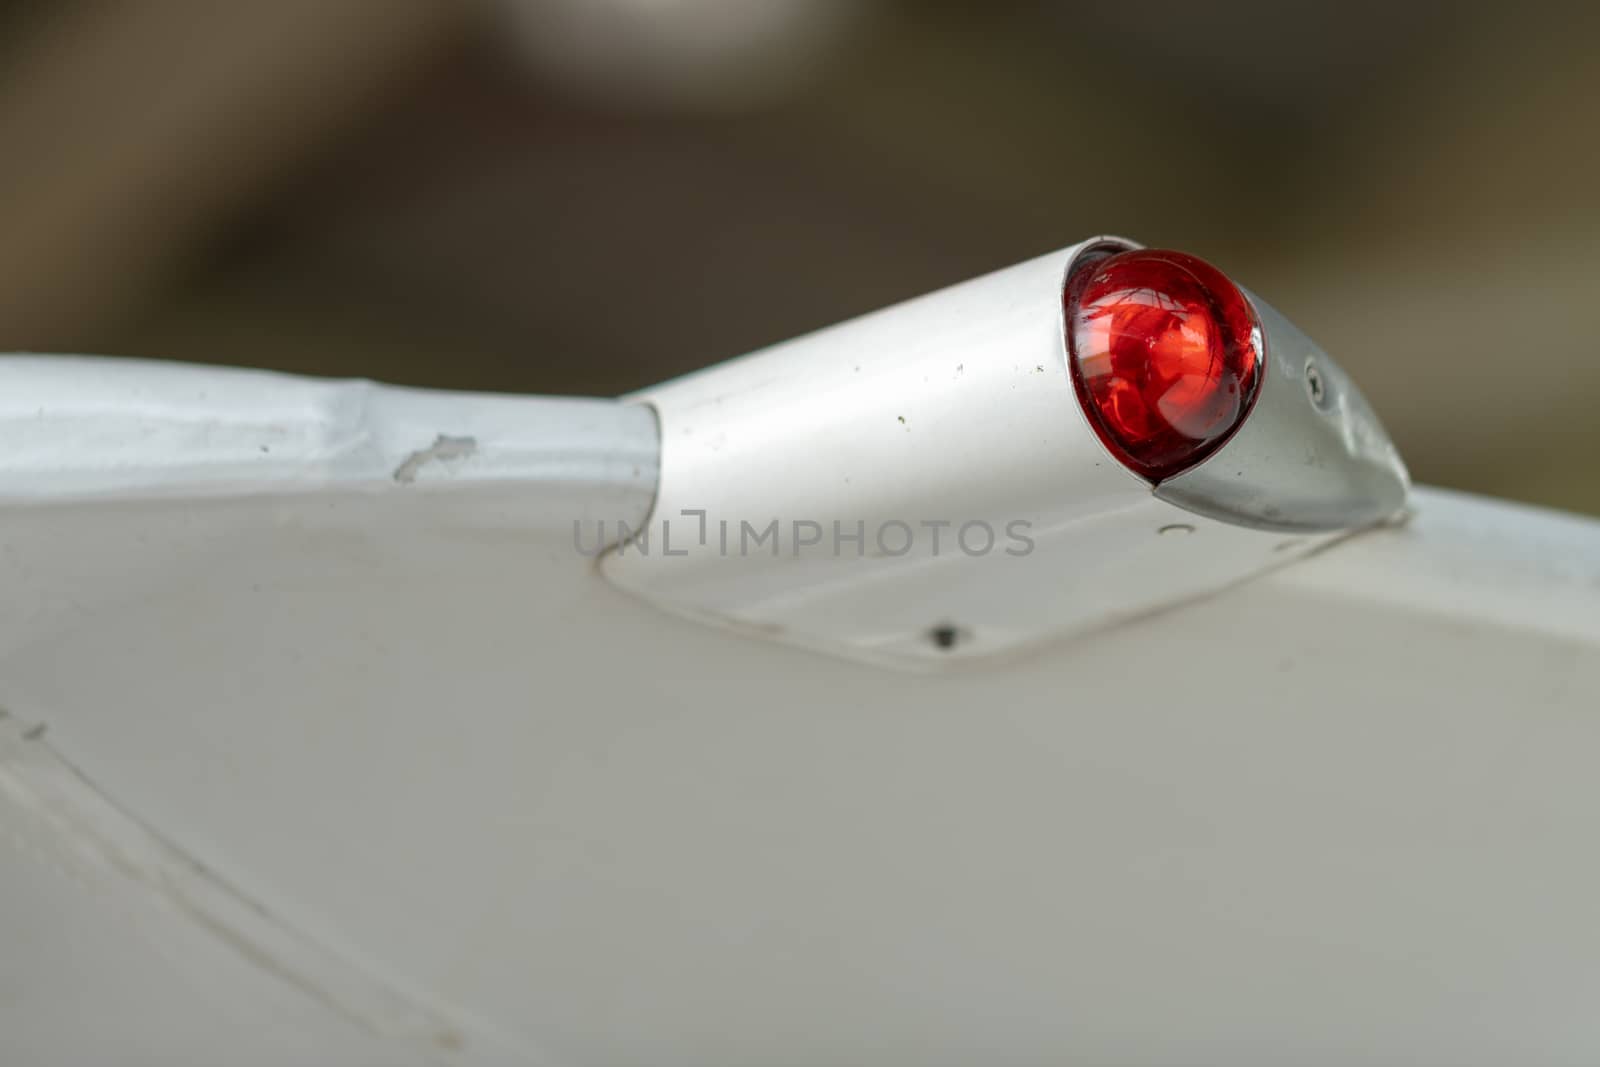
x: 586, y: 196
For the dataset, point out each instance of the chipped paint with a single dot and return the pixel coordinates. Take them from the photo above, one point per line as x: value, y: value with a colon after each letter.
x: 444, y: 449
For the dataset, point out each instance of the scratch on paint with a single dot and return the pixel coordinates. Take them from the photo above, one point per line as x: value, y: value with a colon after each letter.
x: 64, y: 819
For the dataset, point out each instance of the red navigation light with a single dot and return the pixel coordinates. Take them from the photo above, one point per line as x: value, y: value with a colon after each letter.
x: 1166, y: 355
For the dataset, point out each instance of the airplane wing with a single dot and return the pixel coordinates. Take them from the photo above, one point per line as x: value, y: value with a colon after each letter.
x: 335, y: 727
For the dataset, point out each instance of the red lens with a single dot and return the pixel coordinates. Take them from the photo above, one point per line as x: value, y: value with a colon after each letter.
x: 1166, y: 356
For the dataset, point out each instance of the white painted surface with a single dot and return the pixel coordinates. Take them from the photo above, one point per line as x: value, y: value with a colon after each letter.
x: 120, y: 949
x: 73, y: 428
x: 1342, y: 814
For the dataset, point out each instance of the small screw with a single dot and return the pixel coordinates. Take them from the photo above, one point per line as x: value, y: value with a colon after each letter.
x: 1316, y: 388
